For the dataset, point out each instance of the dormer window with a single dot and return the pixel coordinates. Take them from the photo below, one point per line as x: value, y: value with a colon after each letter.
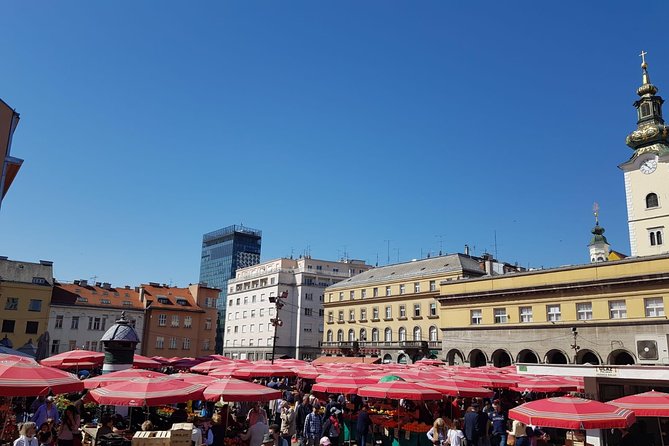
x: 182, y: 302
x: 163, y: 300
x: 651, y: 200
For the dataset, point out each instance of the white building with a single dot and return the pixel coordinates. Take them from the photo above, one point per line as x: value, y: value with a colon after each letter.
x: 249, y: 332
x: 80, y: 314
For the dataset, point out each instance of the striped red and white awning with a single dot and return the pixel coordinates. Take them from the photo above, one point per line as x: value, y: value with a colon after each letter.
x: 22, y: 378
x: 140, y: 392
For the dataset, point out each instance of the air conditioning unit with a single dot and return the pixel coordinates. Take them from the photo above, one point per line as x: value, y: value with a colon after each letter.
x: 652, y: 349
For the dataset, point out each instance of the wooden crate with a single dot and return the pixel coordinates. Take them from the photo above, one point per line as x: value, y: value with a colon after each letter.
x: 181, y: 434
x: 151, y: 438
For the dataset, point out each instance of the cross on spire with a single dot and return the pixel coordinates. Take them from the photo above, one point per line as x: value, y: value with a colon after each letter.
x: 595, y: 211
x: 643, y: 57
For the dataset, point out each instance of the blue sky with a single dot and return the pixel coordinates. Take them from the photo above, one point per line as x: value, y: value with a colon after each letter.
x: 330, y: 126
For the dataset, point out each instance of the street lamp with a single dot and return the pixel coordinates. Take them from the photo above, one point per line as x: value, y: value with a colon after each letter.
x: 276, y: 321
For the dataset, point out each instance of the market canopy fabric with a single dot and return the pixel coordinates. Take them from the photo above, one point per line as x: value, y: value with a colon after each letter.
x: 231, y: 389
x: 398, y: 390
x: 568, y: 412
x: 543, y: 384
x: 647, y: 404
x: 24, y: 378
x: 263, y: 371
x: 120, y: 376
x: 144, y: 362
x: 74, y: 359
x: 342, y: 384
x: 140, y: 392
x: 453, y: 387
x: 194, y: 378
x: 487, y: 379
x: 208, y: 366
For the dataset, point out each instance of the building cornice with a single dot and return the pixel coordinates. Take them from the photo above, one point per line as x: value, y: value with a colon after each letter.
x: 562, y: 325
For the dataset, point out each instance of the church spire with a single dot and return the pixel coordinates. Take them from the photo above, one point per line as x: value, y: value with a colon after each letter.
x: 651, y: 134
x: 599, y: 247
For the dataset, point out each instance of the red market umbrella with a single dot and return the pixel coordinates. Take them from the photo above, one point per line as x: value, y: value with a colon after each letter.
x: 18, y: 378
x: 430, y: 362
x: 399, y: 389
x: 224, y: 371
x: 487, y: 379
x: 263, y: 370
x: 208, y: 366
x: 421, y: 375
x: 567, y: 412
x: 120, y: 376
x: 185, y: 363
x: 231, y: 389
x: 194, y: 378
x: 140, y: 392
x: 453, y: 387
x: 329, y: 374
x: 342, y: 384
x: 307, y: 372
x: 144, y: 362
x: 543, y: 384
x: 16, y: 358
x: 74, y: 359
x: 647, y: 404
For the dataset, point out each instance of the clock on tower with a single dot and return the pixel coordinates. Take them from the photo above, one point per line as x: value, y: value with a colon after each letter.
x: 647, y: 173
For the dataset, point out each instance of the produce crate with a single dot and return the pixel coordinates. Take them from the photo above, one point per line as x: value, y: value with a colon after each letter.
x: 151, y: 438
x: 181, y: 434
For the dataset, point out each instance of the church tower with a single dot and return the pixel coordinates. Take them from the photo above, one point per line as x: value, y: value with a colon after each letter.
x: 647, y: 173
x: 599, y: 247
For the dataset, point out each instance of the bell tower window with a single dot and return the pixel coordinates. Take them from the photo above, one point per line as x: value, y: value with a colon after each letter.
x: 655, y: 235
x: 645, y: 110
x: 651, y: 201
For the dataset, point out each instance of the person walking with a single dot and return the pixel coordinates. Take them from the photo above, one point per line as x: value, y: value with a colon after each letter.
x: 455, y: 436
x: 473, y: 425
x: 313, y: 427
x: 331, y: 427
x: 69, y: 428
x: 288, y: 428
x: 519, y: 431
x: 46, y: 411
x: 363, y: 425
x: 437, y: 433
x: 498, y: 419
x: 27, y: 435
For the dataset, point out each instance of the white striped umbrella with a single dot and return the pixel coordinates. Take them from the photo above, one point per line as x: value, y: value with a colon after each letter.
x: 140, y: 392
x: 120, y: 376
x: 231, y: 389
x: 19, y: 378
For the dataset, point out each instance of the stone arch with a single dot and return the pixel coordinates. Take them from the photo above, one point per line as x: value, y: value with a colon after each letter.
x: 621, y: 357
x: 402, y: 358
x: 586, y: 356
x: 527, y: 356
x: 556, y: 356
x: 501, y: 358
x: 387, y: 358
x: 477, y: 358
x: 455, y: 357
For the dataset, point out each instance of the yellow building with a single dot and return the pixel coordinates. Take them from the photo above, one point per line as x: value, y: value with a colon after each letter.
x: 391, y: 312
x: 25, y: 296
x: 602, y: 313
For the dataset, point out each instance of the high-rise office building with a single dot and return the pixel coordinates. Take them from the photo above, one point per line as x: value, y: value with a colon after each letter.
x: 223, y: 253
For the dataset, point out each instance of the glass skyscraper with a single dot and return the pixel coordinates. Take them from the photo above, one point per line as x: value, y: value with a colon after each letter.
x: 223, y: 253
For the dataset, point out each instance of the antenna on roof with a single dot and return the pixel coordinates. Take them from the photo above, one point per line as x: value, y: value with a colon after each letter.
x: 496, y: 257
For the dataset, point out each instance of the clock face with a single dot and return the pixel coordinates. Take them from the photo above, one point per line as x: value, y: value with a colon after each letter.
x: 648, y: 166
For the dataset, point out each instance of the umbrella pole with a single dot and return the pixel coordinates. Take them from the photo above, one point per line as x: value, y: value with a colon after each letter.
x: 659, y: 428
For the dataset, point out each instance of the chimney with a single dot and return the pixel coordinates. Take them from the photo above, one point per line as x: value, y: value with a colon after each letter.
x: 106, y: 285
x: 127, y: 287
x: 98, y: 284
x: 46, y: 262
x: 466, y: 250
x: 141, y: 294
x: 76, y: 282
x: 83, y: 282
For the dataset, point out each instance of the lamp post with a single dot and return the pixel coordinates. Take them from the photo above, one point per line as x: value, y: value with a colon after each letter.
x: 575, y: 345
x: 276, y: 321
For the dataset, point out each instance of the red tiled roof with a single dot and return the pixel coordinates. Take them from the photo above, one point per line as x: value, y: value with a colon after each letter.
x: 95, y: 296
x: 345, y: 360
x: 154, y: 294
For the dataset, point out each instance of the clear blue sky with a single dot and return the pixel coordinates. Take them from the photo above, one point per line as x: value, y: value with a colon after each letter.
x: 330, y: 126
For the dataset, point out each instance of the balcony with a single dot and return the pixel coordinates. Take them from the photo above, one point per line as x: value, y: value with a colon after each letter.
x: 399, y: 345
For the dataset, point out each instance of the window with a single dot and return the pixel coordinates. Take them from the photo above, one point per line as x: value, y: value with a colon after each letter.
x: 654, y: 306
x: 94, y: 345
x: 253, y: 299
x: 330, y: 336
x: 207, y: 324
x: 175, y: 320
x: 59, y: 321
x: 351, y: 315
x: 388, y: 335
x: 238, y: 301
x: 351, y: 335
x: 308, y: 311
x: 245, y: 312
x: 173, y: 343
x: 236, y: 328
x: 12, y: 303
x: 655, y: 235
x: 243, y: 328
x: 500, y: 315
x: 375, y: 313
x: 617, y: 309
x: 351, y: 295
x: 403, y: 311
x: 162, y: 320
x: 309, y: 296
x: 375, y: 292
x: 402, y: 334
x: 389, y: 312
x: 330, y: 316
x: 341, y: 295
x: 651, y: 201
x: 341, y: 316
x: 105, y: 301
x: 363, y: 335
x: 205, y: 344
x: 35, y: 305
x: 363, y: 293
x: 72, y: 345
x: 340, y: 335
x: 375, y: 335
x: 230, y: 303
x: 433, y: 309
x: 402, y: 288
x: 127, y: 303
x: 416, y: 310
x: 75, y: 323
x: 584, y: 311
x: 261, y: 312
x: 388, y: 291
x: 525, y: 314
x: 553, y: 313
x: 32, y: 327
x: 321, y: 312
x: 188, y: 322
x: 262, y: 297
x: 8, y: 326
x: 433, y: 333
x: 417, y: 334
x: 363, y: 314
x: 160, y: 342
x: 433, y: 285
x: 246, y: 300
x: 270, y: 311
x: 260, y: 328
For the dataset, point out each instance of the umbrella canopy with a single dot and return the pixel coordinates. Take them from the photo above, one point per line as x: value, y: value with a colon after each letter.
x: 421, y: 375
x: 342, y: 384
x: 399, y: 389
x: 329, y: 374
x: 144, y: 362
x: 453, y: 387
x: 487, y: 379
x: 307, y: 372
x: 430, y: 362
x: 572, y: 413
x: 120, y: 376
x: 263, y: 370
x: 231, y: 389
x: 151, y: 391
x: 543, y: 384
x: 647, y: 404
x: 24, y: 378
x: 194, y: 378
x: 224, y: 371
x: 208, y: 366
x: 20, y: 357
x: 74, y: 359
